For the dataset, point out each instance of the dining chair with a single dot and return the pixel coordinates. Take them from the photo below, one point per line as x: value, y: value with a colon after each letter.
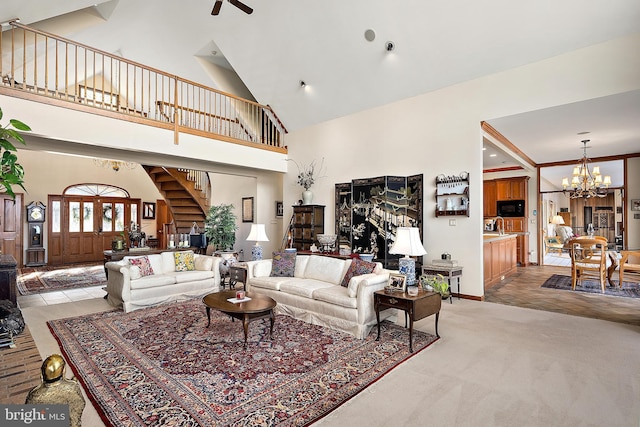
x: 630, y: 262
x: 588, y: 257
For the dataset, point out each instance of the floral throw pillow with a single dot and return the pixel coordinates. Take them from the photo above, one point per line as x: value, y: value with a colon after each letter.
x: 185, y: 261
x: 358, y: 267
x: 283, y: 264
x: 143, y: 264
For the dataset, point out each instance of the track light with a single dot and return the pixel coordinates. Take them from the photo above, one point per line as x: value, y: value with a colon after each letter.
x: 302, y: 84
x: 389, y: 46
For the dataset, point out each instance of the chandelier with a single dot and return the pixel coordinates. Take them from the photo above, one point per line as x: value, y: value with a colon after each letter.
x: 586, y: 183
x: 116, y: 165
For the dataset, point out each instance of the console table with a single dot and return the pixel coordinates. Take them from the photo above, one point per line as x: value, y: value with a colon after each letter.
x: 448, y: 272
x: 416, y: 307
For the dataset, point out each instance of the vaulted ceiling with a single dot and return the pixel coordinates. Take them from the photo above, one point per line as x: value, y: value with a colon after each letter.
x: 346, y: 68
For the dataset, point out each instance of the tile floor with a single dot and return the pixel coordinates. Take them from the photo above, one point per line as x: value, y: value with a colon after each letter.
x: 60, y: 297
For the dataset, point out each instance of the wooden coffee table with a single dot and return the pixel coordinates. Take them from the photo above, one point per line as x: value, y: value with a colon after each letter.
x: 260, y: 307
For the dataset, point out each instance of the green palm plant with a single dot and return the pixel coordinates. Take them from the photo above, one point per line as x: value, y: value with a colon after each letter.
x: 220, y: 227
x: 11, y: 172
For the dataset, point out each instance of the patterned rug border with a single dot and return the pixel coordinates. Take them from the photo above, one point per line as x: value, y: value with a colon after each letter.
x: 422, y: 340
x: 563, y: 282
x: 83, y: 279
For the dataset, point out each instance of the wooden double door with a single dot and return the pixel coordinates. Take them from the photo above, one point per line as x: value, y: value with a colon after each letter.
x: 82, y: 227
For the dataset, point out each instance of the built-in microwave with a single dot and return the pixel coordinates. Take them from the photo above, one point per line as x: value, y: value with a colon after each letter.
x: 510, y: 208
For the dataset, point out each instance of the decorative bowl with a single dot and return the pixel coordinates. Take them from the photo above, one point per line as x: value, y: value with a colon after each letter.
x: 327, y: 239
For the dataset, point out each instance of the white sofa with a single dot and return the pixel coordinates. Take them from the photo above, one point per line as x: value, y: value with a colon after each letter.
x: 129, y: 289
x: 314, y: 293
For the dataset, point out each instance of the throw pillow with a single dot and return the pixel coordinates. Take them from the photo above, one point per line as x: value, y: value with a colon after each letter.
x: 134, y: 272
x: 185, y: 261
x: 143, y: 264
x: 358, y: 267
x: 204, y: 263
x: 283, y: 264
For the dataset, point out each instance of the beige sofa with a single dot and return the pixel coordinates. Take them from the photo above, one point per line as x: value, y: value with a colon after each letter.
x: 128, y: 288
x: 314, y: 294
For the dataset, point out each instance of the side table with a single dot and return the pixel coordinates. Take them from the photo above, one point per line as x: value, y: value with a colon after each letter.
x: 416, y: 307
x: 237, y: 274
x: 449, y: 272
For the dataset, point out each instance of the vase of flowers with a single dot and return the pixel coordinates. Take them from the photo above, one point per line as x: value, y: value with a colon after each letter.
x: 307, y: 176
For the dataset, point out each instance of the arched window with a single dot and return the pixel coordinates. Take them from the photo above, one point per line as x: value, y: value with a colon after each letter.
x: 96, y: 190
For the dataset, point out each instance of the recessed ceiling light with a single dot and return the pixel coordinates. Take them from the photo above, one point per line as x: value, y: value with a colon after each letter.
x: 492, y: 155
x: 370, y: 35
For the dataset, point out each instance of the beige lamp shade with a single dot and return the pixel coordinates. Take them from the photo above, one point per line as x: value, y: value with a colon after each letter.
x: 408, y: 242
x: 557, y: 220
x: 257, y: 233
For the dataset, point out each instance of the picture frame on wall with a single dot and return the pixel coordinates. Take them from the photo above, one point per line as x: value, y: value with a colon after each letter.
x: 247, y: 209
x: 148, y: 210
x: 635, y: 205
x: 279, y: 209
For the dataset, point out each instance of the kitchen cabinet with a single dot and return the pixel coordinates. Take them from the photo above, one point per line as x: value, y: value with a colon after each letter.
x: 499, y: 255
x: 490, y: 198
x: 512, y: 188
x: 515, y: 225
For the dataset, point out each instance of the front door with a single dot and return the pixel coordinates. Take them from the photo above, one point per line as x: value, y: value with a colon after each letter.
x: 86, y: 225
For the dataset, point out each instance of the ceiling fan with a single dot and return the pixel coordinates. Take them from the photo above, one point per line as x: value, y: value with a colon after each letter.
x: 243, y: 7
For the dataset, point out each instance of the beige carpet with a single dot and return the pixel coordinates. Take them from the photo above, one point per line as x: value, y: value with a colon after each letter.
x: 495, y: 365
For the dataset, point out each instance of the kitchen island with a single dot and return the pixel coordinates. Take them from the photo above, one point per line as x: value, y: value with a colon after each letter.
x: 500, y: 257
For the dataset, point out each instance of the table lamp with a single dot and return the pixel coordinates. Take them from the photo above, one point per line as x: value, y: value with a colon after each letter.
x: 258, y: 235
x: 557, y: 220
x: 408, y: 244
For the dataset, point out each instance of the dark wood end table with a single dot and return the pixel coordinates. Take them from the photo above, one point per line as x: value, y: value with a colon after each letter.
x: 416, y: 307
x: 259, y: 307
x: 237, y: 274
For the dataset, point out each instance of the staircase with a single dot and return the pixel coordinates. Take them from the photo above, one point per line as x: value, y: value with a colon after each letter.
x: 186, y: 193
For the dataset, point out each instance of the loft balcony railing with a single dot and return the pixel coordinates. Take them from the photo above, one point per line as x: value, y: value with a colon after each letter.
x: 43, y: 67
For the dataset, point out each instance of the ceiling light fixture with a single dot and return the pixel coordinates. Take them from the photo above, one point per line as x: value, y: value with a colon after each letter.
x: 586, y: 183
x: 302, y: 84
x: 116, y: 165
x: 389, y: 46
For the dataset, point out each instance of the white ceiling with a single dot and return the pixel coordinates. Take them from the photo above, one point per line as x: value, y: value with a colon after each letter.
x: 437, y: 44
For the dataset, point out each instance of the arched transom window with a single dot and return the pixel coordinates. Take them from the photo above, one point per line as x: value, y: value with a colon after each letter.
x: 96, y: 190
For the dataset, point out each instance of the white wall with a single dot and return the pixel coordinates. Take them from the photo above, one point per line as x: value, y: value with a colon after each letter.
x: 265, y: 188
x: 633, y: 188
x: 439, y: 133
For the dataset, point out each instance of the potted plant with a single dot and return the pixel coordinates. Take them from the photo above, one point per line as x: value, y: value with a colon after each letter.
x: 220, y: 227
x: 436, y: 284
x: 11, y: 172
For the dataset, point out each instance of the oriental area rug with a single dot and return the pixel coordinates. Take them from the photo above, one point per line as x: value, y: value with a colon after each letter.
x: 162, y: 366
x: 36, y: 280
x: 559, y: 281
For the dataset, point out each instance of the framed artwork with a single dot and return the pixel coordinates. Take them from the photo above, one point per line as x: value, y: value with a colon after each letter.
x: 635, y: 205
x: 397, y: 282
x: 148, y: 210
x: 279, y: 209
x: 247, y: 209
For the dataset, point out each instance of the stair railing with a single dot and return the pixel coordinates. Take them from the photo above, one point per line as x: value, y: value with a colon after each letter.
x: 36, y: 65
